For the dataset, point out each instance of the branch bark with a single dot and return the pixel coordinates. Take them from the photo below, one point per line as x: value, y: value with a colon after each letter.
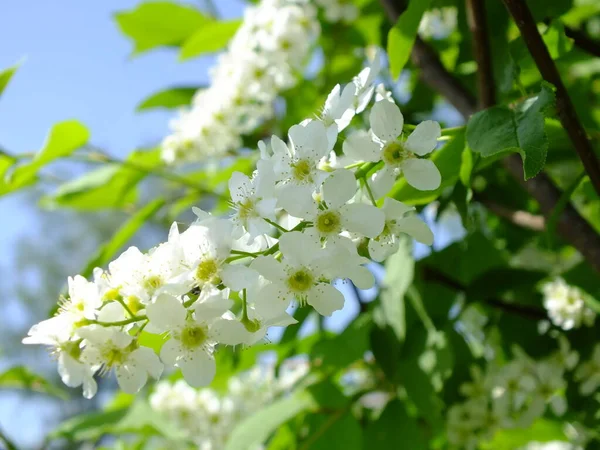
x: 523, y: 219
x: 486, y: 87
x: 571, y: 226
x: 522, y: 16
x: 583, y: 41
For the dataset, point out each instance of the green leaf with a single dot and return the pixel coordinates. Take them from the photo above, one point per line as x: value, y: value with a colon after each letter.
x: 521, y: 129
x: 256, y: 428
x: 401, y: 37
x: 20, y: 377
x: 169, y: 98
x: 110, y: 186
x: 212, y: 37
x: 122, y: 236
x: 399, y: 272
x: 393, y: 426
x: 155, y: 24
x: 336, y: 430
x: 64, y: 138
x: 556, y: 40
x: 542, y: 430
x: 448, y: 160
x: 6, y: 75
x: 140, y: 418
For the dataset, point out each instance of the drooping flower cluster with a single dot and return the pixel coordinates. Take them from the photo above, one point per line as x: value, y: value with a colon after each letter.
x: 225, y: 280
x: 512, y: 395
x: 207, y: 417
x: 338, y: 10
x: 566, y: 305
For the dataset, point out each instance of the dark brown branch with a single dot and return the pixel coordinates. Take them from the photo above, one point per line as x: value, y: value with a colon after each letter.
x: 481, y: 50
x: 522, y: 219
x: 530, y: 312
x: 571, y: 226
x: 564, y: 107
x: 583, y: 41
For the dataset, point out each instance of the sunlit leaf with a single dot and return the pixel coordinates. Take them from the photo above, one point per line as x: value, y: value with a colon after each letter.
x: 211, y: 37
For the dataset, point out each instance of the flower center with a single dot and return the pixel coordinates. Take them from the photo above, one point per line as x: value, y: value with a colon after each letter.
x: 394, y: 154
x: 246, y: 209
x: 114, y: 356
x: 301, y: 170
x: 152, y: 283
x: 251, y: 325
x: 193, y: 336
x: 328, y: 222
x: 207, y: 270
x: 300, y: 281
x: 111, y: 295
x: 134, y: 304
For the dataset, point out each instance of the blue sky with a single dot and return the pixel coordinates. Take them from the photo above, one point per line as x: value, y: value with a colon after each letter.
x: 76, y: 65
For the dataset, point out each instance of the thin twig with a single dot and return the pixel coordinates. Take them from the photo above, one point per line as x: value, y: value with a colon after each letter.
x: 520, y: 218
x: 583, y: 41
x: 522, y: 16
x: 571, y: 226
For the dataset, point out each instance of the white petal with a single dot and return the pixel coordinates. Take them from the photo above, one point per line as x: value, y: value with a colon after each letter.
x: 332, y: 136
x: 272, y: 299
x: 338, y: 188
x: 361, y: 277
x: 170, y: 351
x: 130, y: 377
x: 383, y: 181
x: 386, y: 121
x: 71, y: 371
x: 239, y: 186
x: 238, y: 277
x: 361, y: 218
x: 394, y: 209
x: 424, y: 138
x: 325, y: 299
x: 198, y: 369
x: 90, y: 387
x: 298, y: 248
x: 380, y: 249
x: 297, y: 200
x: 279, y: 147
x: 230, y: 332
x: 145, y: 358
x: 269, y: 268
x: 416, y: 228
x: 309, y: 141
x: 359, y: 146
x: 166, y: 312
x: 281, y: 320
x: 421, y: 174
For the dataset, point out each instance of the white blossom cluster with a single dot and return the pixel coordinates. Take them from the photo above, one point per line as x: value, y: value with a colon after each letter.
x: 225, y: 280
x: 438, y: 23
x: 588, y: 373
x: 264, y: 58
x: 566, y: 305
x: 512, y: 395
x: 207, y: 417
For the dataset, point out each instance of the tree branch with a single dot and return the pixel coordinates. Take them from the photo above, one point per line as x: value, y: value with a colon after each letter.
x: 583, y: 41
x: 522, y: 16
x: 530, y: 312
x: 523, y: 219
x: 571, y: 226
x: 486, y: 87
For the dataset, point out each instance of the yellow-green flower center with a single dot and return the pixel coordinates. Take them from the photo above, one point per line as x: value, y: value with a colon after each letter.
x: 300, y: 281
x: 301, y: 170
x: 152, y: 282
x: 114, y: 356
x: 193, y: 336
x: 246, y: 209
x: 394, y: 154
x: 207, y: 271
x: 251, y: 325
x: 134, y: 304
x: 328, y: 222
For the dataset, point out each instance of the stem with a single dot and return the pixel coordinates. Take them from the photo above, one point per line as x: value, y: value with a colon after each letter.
x: 244, y: 306
x: 276, y: 225
x: 368, y: 188
x: 564, y: 107
x: 583, y: 41
x: 120, y: 300
x: 248, y: 254
x: 119, y: 323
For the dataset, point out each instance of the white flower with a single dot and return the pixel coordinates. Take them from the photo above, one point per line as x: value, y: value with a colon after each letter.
x: 338, y: 111
x: 253, y: 200
x: 398, y: 154
x: 84, y: 298
x: 364, y: 83
x: 301, y: 275
x: 109, y: 347
x: 296, y: 165
x: 399, y: 219
x: 260, y: 316
x: 57, y: 332
x: 192, y: 338
x: 566, y: 305
x: 333, y: 215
